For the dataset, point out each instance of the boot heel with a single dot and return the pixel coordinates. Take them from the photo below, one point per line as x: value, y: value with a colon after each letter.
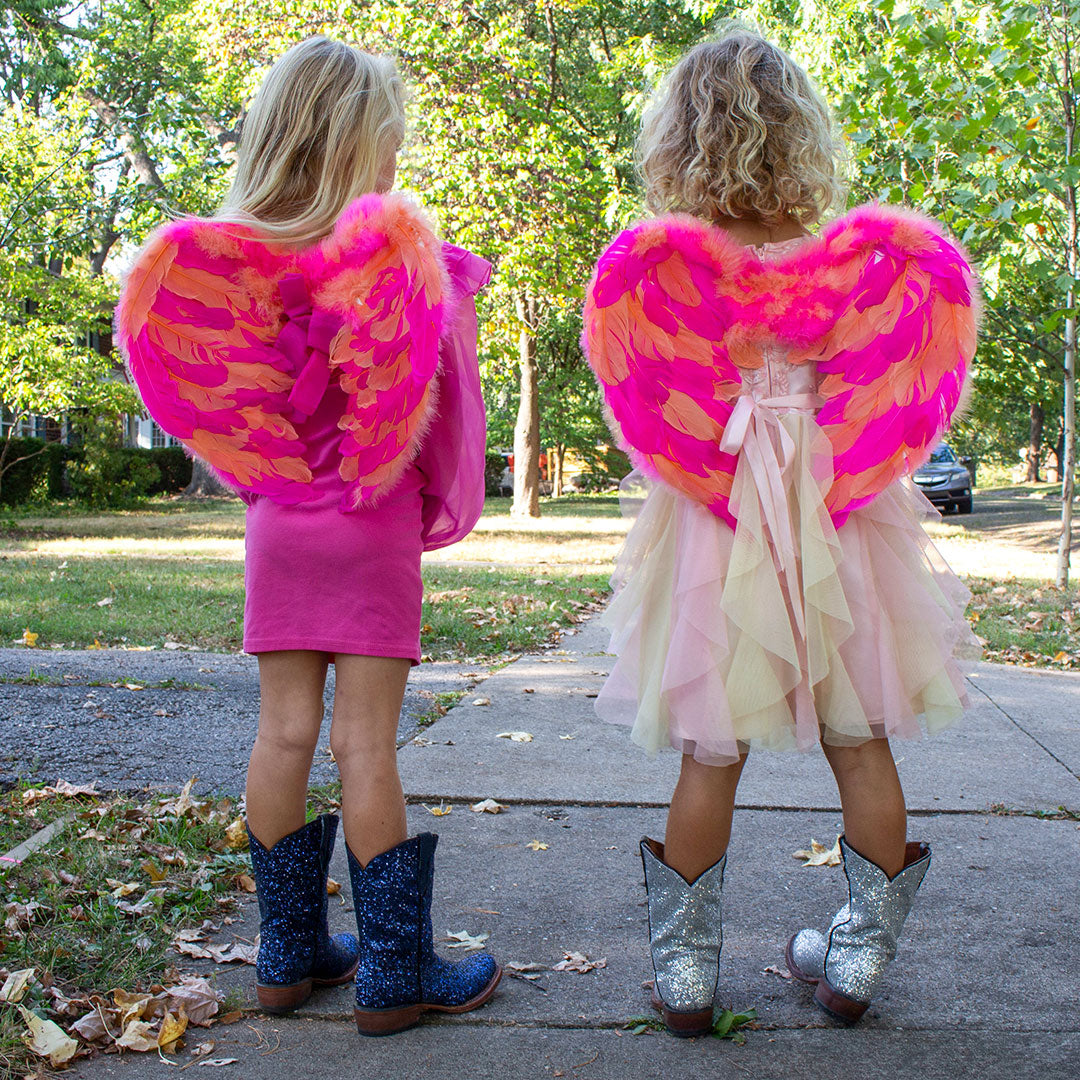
x: 283, y: 999
x: 687, y: 1025
x: 387, y: 1021
x: 841, y: 1006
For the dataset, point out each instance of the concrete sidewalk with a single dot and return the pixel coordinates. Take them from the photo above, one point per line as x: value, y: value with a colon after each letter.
x: 986, y: 985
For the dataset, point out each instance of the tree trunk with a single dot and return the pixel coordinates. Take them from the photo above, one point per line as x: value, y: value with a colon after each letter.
x: 1069, y: 465
x: 555, y: 460
x: 1035, y: 434
x: 527, y: 428
x: 203, y: 481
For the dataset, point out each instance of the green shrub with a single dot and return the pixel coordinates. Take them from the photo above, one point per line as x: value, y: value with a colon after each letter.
x: 40, y: 475
x: 494, y: 463
x: 175, y: 467
x: 109, y: 474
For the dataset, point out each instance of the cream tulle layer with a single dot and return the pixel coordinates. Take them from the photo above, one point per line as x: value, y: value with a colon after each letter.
x: 720, y: 648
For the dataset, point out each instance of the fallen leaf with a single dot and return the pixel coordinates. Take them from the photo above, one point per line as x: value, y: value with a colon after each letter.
x: 579, y: 962
x: 567, y: 737
x: 203, y: 1049
x: 332, y: 887
x: 231, y: 1017
x: 153, y: 871
x: 516, y: 965
x: 199, y: 999
x: 47, y: 1039
x: 16, y: 985
x: 216, y: 1063
x: 138, y: 1035
x: 515, y: 736
x: 105, y: 601
x: 122, y: 888
x: 820, y: 855
x: 172, y: 1027
x: 536, y: 845
x: 236, y: 837
x: 462, y: 939
x: 772, y: 969
x: 245, y: 882
x: 481, y: 701
x: 438, y: 811
x: 132, y: 686
x: 487, y: 806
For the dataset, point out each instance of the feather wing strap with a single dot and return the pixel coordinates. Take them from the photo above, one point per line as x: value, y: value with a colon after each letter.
x: 884, y: 305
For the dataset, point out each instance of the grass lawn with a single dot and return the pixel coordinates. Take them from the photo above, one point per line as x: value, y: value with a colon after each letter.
x: 97, y: 911
x: 173, y: 573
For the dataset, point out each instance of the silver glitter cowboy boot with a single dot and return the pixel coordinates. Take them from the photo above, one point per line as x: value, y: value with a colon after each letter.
x: 848, y: 964
x: 685, y: 938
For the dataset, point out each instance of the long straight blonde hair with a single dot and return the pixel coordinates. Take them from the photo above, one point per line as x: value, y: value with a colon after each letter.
x: 322, y: 124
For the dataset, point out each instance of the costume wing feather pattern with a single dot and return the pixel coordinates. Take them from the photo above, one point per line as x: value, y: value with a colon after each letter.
x: 382, y: 272
x: 232, y: 341
x: 199, y: 346
x: 883, y: 303
x: 654, y: 337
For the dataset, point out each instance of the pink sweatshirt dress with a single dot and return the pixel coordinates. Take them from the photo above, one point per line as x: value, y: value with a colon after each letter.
x: 317, y: 578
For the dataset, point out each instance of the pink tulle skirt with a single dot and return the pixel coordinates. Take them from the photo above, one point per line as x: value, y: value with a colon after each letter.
x: 725, y: 643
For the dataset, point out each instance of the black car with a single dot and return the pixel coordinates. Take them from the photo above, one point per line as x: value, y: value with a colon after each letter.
x: 946, y: 481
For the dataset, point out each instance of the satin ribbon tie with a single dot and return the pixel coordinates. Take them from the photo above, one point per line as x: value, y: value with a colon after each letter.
x: 755, y: 435
x: 305, y: 341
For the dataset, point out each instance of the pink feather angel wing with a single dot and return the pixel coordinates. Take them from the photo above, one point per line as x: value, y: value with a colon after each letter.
x: 883, y: 303
x: 654, y: 336
x: 895, y: 366
x: 382, y: 272
x: 198, y: 338
x: 232, y: 341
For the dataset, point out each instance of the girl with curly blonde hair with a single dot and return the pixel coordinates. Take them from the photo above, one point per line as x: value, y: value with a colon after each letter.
x: 774, y: 390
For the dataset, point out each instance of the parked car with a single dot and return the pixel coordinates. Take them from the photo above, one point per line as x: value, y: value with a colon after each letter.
x: 946, y: 480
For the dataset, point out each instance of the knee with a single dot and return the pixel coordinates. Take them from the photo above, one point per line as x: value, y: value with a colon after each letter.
x: 355, y: 749
x: 289, y: 739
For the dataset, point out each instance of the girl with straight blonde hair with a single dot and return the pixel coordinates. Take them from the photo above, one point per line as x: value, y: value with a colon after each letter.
x: 774, y: 390
x: 316, y: 345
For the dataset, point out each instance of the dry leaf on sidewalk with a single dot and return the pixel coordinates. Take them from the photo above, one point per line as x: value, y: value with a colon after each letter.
x: 462, y: 939
x: 515, y: 736
x: 438, y: 811
x: 772, y: 969
x: 536, y: 845
x: 487, y: 806
x: 579, y: 962
x: 481, y: 701
x: 529, y: 972
x: 820, y: 855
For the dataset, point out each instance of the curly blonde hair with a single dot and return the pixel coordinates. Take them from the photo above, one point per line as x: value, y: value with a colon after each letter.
x: 325, y: 117
x: 737, y: 129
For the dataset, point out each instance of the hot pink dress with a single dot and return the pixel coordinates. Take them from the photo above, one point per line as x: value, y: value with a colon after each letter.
x: 320, y: 579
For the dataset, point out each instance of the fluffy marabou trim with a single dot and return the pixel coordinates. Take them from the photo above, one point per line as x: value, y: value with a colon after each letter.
x: 884, y: 302
x: 199, y: 319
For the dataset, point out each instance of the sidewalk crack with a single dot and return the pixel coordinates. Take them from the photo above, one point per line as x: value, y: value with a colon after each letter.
x: 1016, y: 723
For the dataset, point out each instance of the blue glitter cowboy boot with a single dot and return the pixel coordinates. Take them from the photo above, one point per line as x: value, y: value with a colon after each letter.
x: 400, y: 976
x: 685, y: 938
x: 296, y: 951
x: 848, y: 964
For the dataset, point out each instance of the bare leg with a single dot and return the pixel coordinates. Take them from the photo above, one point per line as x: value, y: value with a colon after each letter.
x: 363, y: 737
x: 290, y: 714
x: 875, y: 818
x: 699, y: 821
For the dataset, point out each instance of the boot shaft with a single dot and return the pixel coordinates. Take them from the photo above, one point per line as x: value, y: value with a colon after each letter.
x: 685, y: 930
x: 863, y: 936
